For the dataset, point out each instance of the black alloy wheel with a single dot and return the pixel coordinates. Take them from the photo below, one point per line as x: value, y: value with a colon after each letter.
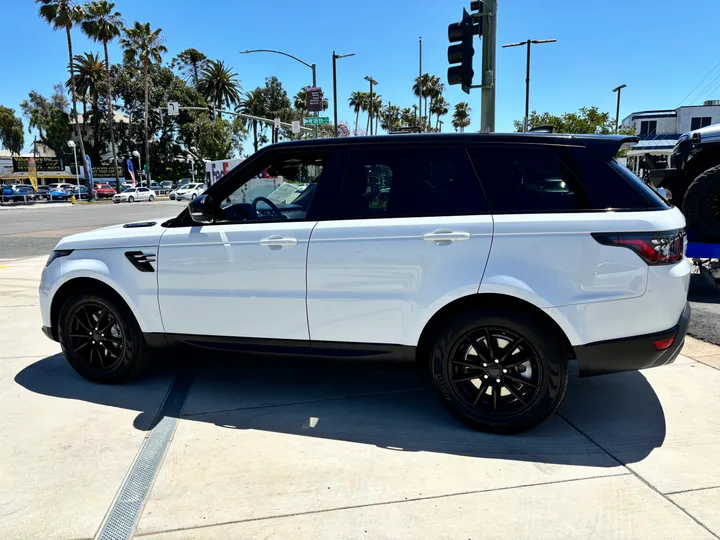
x: 714, y: 205
x: 495, y: 371
x: 97, y: 338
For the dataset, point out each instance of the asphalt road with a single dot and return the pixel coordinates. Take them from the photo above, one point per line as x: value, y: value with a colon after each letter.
x: 33, y: 231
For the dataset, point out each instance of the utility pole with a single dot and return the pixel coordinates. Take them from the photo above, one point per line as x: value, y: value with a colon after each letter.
x: 487, y: 107
x: 529, y: 43
x: 335, y: 58
x: 420, y: 86
x: 370, y: 105
x: 617, y: 114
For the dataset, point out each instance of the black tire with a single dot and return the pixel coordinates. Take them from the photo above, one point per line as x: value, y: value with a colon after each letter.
x: 701, y: 204
x: 131, y: 199
x: 103, y: 360
x: 524, y: 404
x: 152, y: 198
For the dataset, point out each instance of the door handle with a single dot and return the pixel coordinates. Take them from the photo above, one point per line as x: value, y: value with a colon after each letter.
x: 446, y: 235
x: 278, y: 241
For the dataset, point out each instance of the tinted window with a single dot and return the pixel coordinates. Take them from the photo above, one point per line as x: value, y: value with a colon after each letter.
x: 700, y: 122
x: 415, y: 182
x: 143, y: 189
x: 648, y: 128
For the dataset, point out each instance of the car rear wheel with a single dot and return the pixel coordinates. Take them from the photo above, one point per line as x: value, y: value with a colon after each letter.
x: 152, y: 198
x: 498, y: 371
x: 701, y: 204
x: 131, y: 199
x: 101, y: 339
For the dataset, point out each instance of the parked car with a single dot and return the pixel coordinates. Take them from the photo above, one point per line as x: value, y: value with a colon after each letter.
x: 492, y: 261
x: 190, y: 191
x: 24, y: 193
x: 7, y: 193
x: 168, y: 185
x: 133, y: 194
x: 42, y: 191
x: 104, y: 191
x: 62, y: 186
x: 80, y: 192
x: 56, y: 194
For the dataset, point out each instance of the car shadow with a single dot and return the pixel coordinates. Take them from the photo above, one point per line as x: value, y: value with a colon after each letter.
x: 382, y: 403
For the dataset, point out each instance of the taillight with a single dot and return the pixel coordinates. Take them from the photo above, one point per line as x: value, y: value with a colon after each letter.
x: 665, y: 247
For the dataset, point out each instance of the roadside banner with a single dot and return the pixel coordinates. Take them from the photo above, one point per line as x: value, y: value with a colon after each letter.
x: 131, y: 171
x: 32, y: 173
x: 91, y: 182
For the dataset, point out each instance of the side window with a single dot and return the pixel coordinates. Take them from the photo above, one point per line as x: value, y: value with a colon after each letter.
x: 408, y: 182
x: 525, y: 180
x: 144, y: 189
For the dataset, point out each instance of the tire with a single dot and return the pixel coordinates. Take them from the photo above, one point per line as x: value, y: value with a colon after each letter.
x: 122, y: 338
x: 701, y: 205
x: 131, y: 199
x: 151, y: 199
x: 520, y: 405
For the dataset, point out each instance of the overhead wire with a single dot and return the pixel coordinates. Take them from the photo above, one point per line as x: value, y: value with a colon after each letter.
x: 698, y: 84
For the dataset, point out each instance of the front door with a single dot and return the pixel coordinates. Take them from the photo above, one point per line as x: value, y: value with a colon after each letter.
x: 243, y: 276
x: 410, y: 233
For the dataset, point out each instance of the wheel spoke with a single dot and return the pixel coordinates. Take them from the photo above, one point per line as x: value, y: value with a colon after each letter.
x: 495, y: 395
x: 80, y: 336
x: 100, y: 317
x: 489, y: 340
x: 467, y: 377
x: 83, y: 345
x: 515, y: 393
x: 82, y: 324
x: 465, y: 364
x: 510, y: 349
x: 518, y: 360
x: 521, y: 381
x: 478, y: 351
x: 109, y: 325
x: 481, y: 392
x: 113, y: 341
x: 89, y: 319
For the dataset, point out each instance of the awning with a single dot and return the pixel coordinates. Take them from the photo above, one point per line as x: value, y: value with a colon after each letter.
x: 662, y: 147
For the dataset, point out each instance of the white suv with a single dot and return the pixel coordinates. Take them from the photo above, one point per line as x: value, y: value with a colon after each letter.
x: 492, y: 260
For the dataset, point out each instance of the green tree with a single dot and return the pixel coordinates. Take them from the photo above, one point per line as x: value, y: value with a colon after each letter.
x: 300, y: 102
x: 461, y: 116
x: 146, y: 46
x: 356, y: 101
x: 586, y: 120
x: 439, y: 107
x: 189, y: 63
x: 391, y: 118
x: 276, y: 102
x: 253, y: 104
x: 11, y: 131
x: 64, y: 14
x: 50, y: 118
x: 407, y: 117
x: 103, y: 25
x: 423, y: 87
x: 377, y: 107
x: 89, y: 73
x: 219, y: 84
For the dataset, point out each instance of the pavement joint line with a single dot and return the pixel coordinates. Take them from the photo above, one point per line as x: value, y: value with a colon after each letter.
x: 680, y: 492
x: 635, y: 474
x: 291, y: 403
x: 122, y: 517
x: 383, y: 503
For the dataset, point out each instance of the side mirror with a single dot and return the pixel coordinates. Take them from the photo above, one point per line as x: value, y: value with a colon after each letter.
x: 202, y: 210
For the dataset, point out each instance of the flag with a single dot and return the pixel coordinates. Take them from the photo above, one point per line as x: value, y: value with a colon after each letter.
x: 91, y: 182
x: 131, y: 171
x: 32, y: 173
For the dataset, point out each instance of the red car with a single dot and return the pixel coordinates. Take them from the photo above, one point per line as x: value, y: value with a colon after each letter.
x: 104, y: 191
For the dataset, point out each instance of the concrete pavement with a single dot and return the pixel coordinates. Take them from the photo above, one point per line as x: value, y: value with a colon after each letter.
x: 273, y: 448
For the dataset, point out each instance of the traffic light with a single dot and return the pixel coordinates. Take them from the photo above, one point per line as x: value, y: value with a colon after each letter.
x: 211, y: 112
x: 463, y: 33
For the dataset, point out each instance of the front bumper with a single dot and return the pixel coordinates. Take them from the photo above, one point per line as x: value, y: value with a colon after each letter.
x: 628, y: 354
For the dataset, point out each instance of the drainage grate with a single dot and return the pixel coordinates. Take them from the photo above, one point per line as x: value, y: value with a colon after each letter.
x: 123, y: 515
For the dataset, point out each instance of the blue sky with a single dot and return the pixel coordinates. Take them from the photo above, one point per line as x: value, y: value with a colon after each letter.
x: 660, y: 48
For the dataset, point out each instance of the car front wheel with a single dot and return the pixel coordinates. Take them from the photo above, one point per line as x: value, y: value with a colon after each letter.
x: 131, y: 199
x: 100, y: 338
x: 152, y: 198
x: 499, y: 371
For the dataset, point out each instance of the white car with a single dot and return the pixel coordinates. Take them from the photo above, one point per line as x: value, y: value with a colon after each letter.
x: 133, y: 194
x: 491, y: 260
x: 189, y: 191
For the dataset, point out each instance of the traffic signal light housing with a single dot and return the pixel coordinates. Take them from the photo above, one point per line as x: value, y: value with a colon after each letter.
x: 211, y: 112
x: 463, y: 33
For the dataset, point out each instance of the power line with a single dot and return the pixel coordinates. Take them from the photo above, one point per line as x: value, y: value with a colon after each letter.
x: 698, y: 84
x: 704, y: 90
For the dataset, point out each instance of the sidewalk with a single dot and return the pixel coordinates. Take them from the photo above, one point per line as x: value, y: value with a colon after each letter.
x: 246, y: 448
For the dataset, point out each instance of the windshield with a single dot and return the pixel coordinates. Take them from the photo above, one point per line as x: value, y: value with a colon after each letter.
x: 287, y: 193
x: 126, y: 190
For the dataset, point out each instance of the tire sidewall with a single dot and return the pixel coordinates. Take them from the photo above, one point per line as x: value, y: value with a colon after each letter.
x: 695, y: 204
x: 552, y: 377
x: 131, y: 199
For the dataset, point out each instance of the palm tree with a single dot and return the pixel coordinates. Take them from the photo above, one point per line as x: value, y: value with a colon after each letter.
x: 421, y: 88
x: 390, y: 118
x: 65, y: 14
x: 461, y: 116
x: 146, y: 45
x: 356, y: 104
x: 190, y: 62
x: 407, y: 117
x: 103, y: 26
x: 254, y: 105
x: 89, y: 72
x: 439, y: 107
x: 300, y: 102
x: 435, y: 90
x: 219, y: 84
x: 377, y: 106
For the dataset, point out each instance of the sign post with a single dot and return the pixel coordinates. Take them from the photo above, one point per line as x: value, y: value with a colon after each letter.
x: 173, y: 108
x: 296, y: 126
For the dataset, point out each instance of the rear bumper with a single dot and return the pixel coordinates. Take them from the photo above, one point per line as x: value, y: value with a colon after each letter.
x: 628, y: 354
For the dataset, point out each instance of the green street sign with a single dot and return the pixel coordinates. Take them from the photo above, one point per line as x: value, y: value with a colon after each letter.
x: 316, y: 120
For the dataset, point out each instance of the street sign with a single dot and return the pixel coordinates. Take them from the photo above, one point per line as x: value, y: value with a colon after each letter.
x: 314, y: 99
x: 296, y: 126
x: 277, y: 123
x: 316, y: 120
x: 173, y: 108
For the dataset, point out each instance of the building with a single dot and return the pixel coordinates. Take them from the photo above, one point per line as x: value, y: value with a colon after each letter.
x: 14, y: 168
x: 659, y: 130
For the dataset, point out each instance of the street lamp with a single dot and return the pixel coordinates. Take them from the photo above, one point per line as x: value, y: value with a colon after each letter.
x: 529, y: 43
x: 72, y: 145
x: 617, y: 114
x: 311, y: 66
x: 335, y: 58
x: 370, y: 105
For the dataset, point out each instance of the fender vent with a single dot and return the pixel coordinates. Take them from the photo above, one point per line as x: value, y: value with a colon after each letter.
x: 139, y: 224
x: 141, y: 261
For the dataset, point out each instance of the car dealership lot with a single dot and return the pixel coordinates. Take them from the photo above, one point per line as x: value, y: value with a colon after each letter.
x: 209, y: 446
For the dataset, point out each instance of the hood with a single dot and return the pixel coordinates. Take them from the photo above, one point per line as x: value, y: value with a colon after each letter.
x: 144, y: 233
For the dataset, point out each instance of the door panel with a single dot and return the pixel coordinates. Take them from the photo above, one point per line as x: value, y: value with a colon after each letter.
x: 239, y: 280
x: 381, y: 280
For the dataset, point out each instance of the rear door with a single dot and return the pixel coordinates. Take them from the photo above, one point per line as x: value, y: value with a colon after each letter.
x: 407, y: 232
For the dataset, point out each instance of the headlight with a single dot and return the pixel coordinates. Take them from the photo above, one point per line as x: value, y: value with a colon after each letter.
x: 56, y: 254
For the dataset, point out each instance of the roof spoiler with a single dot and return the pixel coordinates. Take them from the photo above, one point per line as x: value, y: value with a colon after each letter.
x: 607, y: 146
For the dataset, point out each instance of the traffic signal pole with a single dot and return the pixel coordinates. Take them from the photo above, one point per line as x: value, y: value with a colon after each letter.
x: 487, y: 106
